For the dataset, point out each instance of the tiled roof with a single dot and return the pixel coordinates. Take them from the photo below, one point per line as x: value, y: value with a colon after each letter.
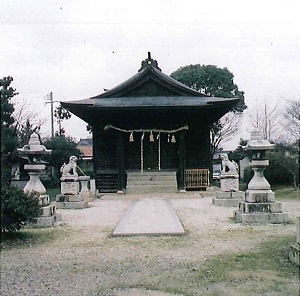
x: 86, y: 151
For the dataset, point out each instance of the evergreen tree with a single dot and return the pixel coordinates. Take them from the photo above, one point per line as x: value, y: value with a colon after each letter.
x: 213, y: 81
x: 9, y: 139
x: 62, y: 148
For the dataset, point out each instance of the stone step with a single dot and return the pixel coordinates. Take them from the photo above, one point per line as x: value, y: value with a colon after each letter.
x: 151, y: 189
x: 151, y: 182
x: 151, y: 178
x: 151, y: 173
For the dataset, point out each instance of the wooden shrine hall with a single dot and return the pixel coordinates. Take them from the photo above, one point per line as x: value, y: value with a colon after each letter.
x: 150, y: 125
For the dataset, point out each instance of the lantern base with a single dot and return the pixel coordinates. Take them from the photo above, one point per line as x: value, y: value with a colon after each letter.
x: 259, y: 196
x: 261, y: 217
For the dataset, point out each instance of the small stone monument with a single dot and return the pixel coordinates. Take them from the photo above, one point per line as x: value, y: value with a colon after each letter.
x: 295, y: 248
x: 34, y: 152
x: 70, y: 197
x: 229, y: 195
x: 259, y: 205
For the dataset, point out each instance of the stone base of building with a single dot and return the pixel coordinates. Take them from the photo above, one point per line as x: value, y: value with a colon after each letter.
x: 75, y: 201
x: 228, y: 199
x: 261, y: 217
x: 294, y: 253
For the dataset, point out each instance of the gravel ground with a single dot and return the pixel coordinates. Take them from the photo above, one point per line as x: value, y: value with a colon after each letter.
x: 82, y: 258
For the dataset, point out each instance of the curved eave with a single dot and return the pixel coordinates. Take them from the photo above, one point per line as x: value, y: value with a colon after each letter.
x: 145, y: 74
x: 150, y: 102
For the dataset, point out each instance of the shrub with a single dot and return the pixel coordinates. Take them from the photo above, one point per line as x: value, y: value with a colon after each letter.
x: 17, y: 208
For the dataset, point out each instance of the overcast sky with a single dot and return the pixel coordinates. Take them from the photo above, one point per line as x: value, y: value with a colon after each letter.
x: 76, y: 48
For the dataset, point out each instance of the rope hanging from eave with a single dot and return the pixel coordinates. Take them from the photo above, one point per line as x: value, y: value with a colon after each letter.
x: 185, y: 127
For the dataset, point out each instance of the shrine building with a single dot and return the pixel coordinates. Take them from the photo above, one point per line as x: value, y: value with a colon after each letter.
x: 151, y: 125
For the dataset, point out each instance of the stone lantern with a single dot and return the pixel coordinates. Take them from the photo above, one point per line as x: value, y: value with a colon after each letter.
x: 257, y: 148
x: 259, y: 205
x: 34, y: 152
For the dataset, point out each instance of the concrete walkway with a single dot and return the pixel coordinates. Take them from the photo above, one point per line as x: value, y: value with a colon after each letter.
x: 151, y: 216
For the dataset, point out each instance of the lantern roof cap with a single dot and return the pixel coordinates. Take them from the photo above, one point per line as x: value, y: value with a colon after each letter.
x: 257, y: 142
x: 34, y: 146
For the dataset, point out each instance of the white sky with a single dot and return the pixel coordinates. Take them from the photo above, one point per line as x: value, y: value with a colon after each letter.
x: 76, y: 48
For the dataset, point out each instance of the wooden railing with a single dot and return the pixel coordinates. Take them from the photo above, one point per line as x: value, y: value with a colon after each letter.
x: 196, y: 178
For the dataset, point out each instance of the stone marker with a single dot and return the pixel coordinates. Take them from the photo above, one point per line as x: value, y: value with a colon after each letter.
x: 259, y: 205
x: 93, y: 187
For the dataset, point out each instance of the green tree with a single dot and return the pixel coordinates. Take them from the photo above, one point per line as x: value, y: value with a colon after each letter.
x: 284, y: 165
x: 62, y: 148
x: 212, y: 81
x: 61, y: 114
x: 217, y: 82
x: 8, y: 135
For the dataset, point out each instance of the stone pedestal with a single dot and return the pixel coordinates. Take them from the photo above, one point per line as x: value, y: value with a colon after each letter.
x: 69, y: 187
x: 48, y: 216
x: 70, y: 202
x: 70, y: 198
x: 85, y: 191
x: 259, y: 207
x: 295, y: 248
x: 256, y: 196
x: 230, y: 194
x: 229, y: 183
x: 228, y: 199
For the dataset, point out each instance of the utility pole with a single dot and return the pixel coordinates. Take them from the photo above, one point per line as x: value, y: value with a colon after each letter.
x: 52, y: 116
x: 50, y: 101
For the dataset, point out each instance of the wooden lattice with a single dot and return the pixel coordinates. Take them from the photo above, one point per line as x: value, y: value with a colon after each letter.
x: 196, y: 178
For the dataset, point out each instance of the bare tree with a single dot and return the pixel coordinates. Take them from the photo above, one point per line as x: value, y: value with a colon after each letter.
x: 224, y: 129
x: 27, y: 121
x: 267, y: 119
x: 291, y: 120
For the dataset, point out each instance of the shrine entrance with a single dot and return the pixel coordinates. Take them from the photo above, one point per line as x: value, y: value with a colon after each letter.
x: 151, y: 156
x: 151, y: 151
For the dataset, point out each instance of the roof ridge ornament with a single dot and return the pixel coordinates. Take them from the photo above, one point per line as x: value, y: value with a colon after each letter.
x: 149, y: 62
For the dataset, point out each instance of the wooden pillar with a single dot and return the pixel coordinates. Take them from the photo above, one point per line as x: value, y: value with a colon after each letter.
x: 121, y: 163
x: 181, y: 168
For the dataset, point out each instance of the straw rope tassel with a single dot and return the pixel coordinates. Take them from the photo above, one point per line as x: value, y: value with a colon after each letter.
x: 142, y: 152
x: 158, y: 136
